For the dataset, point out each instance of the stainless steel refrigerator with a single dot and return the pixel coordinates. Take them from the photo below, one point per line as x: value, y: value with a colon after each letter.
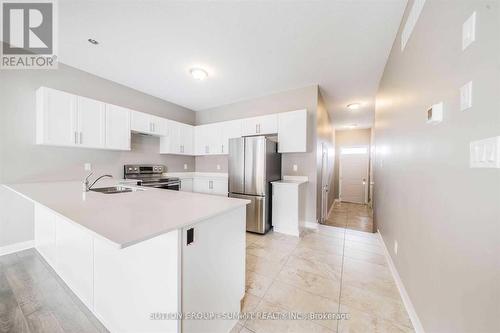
x: 254, y: 162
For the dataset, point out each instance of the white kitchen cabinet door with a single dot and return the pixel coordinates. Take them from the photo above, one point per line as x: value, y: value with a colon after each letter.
x: 260, y: 125
x: 213, y: 271
x: 158, y: 126
x: 187, y: 139
x: 208, y: 139
x: 292, y: 132
x: 219, y: 186
x: 140, y: 122
x: 171, y: 144
x: 132, y: 283
x: 91, y: 123
x: 201, y: 185
x: 75, y: 263
x: 229, y: 129
x: 117, y: 127
x: 187, y: 185
x: 45, y: 233
x: 56, y: 114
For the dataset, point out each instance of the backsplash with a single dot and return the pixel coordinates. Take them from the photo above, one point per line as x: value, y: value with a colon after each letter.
x: 213, y: 163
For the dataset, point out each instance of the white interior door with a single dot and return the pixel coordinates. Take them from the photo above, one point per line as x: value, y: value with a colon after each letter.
x: 353, y: 173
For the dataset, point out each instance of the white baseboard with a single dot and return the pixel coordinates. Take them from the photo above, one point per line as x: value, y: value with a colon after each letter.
x: 310, y: 225
x: 417, y: 325
x: 16, y: 247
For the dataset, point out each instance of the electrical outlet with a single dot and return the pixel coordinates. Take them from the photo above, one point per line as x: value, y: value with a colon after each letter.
x: 466, y: 96
x: 185, y: 166
x: 395, y: 247
x: 218, y: 166
x: 469, y: 31
x: 295, y: 167
x: 87, y: 166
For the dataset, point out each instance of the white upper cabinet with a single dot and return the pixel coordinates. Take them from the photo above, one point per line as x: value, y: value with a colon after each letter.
x: 208, y: 139
x: 117, y: 127
x: 56, y: 117
x: 180, y: 139
x: 260, y: 125
x: 148, y: 124
x: 229, y: 129
x: 91, y: 122
x: 292, y: 132
x: 64, y: 119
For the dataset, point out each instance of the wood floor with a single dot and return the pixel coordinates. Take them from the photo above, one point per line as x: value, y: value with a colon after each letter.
x: 351, y: 216
x: 34, y: 299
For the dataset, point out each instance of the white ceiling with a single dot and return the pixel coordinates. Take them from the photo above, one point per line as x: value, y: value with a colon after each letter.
x: 250, y: 48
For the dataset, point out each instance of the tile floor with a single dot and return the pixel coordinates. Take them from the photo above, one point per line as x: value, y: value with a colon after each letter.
x: 327, y: 270
x: 351, y: 216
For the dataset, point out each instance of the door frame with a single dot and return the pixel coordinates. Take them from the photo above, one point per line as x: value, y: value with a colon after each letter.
x: 325, y: 182
x: 365, y: 192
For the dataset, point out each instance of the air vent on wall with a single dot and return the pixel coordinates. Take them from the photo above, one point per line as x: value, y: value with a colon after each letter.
x: 411, y: 21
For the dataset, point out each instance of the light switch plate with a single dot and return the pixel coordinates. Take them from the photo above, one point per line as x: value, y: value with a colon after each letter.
x: 295, y: 168
x: 395, y: 247
x: 185, y: 166
x: 469, y: 31
x: 218, y: 166
x: 87, y: 167
x: 485, y: 153
x: 466, y: 96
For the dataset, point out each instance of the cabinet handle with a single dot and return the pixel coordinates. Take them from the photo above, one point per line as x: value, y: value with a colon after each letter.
x: 76, y: 137
x: 222, y: 148
x: 210, y: 185
x: 154, y: 127
x: 81, y: 137
x: 256, y: 128
x: 206, y: 150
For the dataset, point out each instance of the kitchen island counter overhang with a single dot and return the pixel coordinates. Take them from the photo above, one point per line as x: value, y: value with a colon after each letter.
x: 139, y: 259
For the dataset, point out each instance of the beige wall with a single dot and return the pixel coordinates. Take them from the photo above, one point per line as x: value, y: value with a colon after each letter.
x: 347, y: 138
x: 444, y: 215
x: 23, y: 161
x: 303, y: 98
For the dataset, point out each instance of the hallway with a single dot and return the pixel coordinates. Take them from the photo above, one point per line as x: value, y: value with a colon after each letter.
x: 351, y: 216
x: 330, y: 270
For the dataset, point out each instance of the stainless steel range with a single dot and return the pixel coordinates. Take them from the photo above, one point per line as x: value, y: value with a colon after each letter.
x: 150, y: 175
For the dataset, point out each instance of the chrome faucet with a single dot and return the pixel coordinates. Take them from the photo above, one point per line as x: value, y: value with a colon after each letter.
x: 87, y: 187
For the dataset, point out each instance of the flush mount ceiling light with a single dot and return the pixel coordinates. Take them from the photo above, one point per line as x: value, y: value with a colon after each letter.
x: 353, y: 106
x: 198, y: 73
x: 351, y: 126
x: 92, y: 41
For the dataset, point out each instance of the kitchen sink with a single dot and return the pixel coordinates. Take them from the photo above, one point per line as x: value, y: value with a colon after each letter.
x: 112, y: 189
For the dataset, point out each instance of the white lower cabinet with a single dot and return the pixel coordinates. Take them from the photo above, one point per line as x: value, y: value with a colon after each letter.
x: 217, y: 186
x: 134, y: 283
x: 45, y: 234
x: 187, y: 185
x: 74, y: 252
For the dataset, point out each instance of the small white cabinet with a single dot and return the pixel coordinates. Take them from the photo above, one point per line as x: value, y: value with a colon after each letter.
x: 45, y: 233
x: 260, y: 125
x: 229, y: 130
x: 90, y: 123
x: 180, y: 139
x: 210, y: 185
x: 292, y: 132
x: 148, y: 124
x: 187, y: 185
x: 117, y: 127
x: 56, y: 117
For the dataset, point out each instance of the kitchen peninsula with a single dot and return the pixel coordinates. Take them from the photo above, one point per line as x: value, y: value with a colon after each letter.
x: 131, y: 256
